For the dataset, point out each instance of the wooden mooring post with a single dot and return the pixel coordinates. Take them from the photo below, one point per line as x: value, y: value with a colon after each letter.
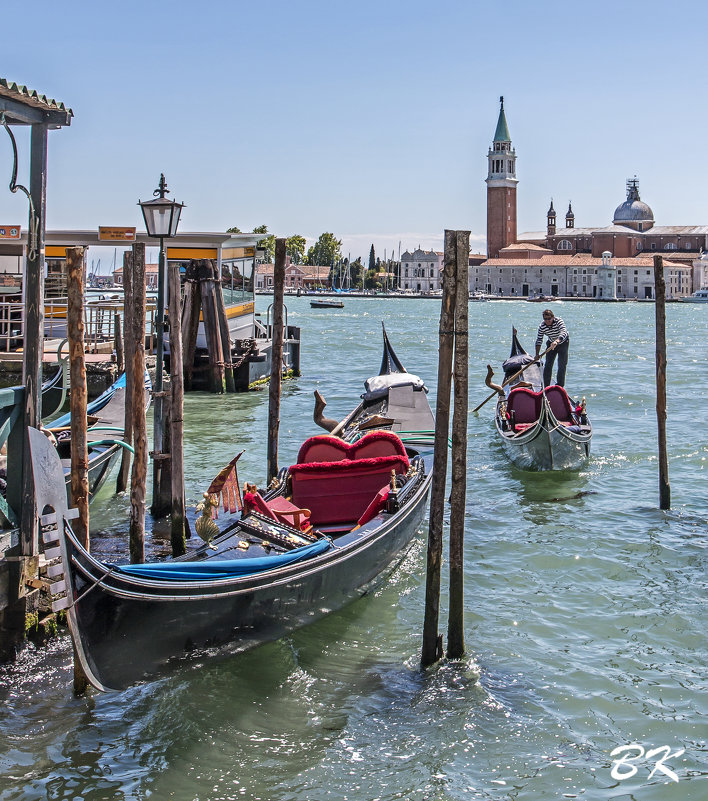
x: 78, y: 398
x: 138, y: 479
x: 660, y: 322
x: 212, y: 330
x: 458, y: 494
x: 276, y: 359
x: 432, y: 641
x: 177, y: 518
x: 78, y: 401
x: 128, y: 352
x: 118, y: 339
x: 229, y: 382
x: 190, y: 321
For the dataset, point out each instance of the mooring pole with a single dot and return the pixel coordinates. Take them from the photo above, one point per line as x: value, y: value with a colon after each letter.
x: 276, y: 359
x: 212, y: 332
x: 138, y: 478
x: 118, y: 338
x: 432, y: 641
x: 177, y: 534
x: 190, y: 320
x: 458, y: 494
x: 78, y: 392
x: 225, y: 335
x: 660, y: 316
x: 128, y: 351
x: 78, y: 400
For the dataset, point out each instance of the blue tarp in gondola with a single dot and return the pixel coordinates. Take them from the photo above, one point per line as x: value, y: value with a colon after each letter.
x: 211, y: 570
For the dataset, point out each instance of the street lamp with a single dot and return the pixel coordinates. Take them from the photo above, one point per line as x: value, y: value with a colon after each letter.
x: 161, y: 220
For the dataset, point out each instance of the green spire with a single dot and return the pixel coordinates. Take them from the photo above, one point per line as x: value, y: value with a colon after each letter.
x: 502, y: 132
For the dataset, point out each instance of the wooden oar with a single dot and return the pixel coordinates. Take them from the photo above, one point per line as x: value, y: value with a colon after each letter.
x: 510, y: 379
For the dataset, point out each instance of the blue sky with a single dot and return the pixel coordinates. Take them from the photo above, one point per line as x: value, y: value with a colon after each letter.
x: 370, y: 119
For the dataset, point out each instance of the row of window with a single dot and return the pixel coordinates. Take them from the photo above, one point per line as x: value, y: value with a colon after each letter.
x: 566, y: 244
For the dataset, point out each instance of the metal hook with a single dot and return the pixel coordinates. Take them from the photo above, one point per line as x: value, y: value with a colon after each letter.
x: 14, y: 186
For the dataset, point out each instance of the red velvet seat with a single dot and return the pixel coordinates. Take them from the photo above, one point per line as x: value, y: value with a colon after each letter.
x: 340, y: 492
x: 279, y: 509
x: 560, y: 404
x: 326, y: 448
x: 525, y: 404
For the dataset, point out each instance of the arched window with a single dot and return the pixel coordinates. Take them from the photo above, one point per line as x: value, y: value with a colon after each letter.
x: 432, y: 272
x: 565, y: 244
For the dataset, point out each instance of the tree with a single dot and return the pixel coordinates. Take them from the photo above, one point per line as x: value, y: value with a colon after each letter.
x: 267, y: 243
x: 234, y: 230
x: 372, y: 259
x: 356, y: 270
x: 325, y: 251
x: 295, y: 248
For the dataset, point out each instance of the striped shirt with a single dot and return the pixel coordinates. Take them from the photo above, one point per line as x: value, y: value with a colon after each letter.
x: 556, y: 330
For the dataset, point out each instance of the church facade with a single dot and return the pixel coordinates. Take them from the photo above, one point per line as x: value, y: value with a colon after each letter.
x: 573, y: 261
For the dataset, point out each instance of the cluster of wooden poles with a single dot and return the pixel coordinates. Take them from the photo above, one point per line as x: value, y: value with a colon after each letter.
x: 453, y: 360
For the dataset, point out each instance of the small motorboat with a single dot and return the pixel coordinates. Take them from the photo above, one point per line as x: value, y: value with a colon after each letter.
x: 327, y: 303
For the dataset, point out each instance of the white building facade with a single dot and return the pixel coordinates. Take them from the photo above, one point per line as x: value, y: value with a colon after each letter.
x: 421, y: 271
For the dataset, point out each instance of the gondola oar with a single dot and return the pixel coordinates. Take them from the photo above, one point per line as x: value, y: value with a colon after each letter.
x: 510, y: 379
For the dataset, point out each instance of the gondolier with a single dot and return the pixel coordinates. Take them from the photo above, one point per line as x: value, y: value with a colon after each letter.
x: 558, y: 344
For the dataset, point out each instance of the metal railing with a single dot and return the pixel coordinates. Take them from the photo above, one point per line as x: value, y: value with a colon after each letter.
x: 98, y: 323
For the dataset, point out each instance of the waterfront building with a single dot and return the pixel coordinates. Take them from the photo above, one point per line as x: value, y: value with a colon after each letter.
x: 297, y: 276
x: 421, y: 270
x: 570, y: 260
x: 151, y: 272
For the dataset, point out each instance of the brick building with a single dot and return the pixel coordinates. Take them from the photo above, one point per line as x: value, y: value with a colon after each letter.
x: 569, y: 260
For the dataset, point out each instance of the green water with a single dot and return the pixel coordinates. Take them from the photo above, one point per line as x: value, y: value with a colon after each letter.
x: 585, y: 606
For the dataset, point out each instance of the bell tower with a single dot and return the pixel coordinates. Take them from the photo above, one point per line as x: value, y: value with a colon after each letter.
x: 501, y: 189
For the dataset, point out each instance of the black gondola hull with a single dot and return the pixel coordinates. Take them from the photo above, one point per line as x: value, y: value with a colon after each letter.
x: 116, y: 620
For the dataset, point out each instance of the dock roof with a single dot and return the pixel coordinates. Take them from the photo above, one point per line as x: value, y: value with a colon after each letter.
x: 24, y: 106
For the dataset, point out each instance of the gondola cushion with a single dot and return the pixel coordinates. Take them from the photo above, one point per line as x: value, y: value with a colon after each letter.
x: 560, y: 404
x: 341, y: 491
x: 326, y: 448
x: 525, y: 404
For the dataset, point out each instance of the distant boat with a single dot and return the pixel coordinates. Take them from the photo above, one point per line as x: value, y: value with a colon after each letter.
x: 327, y: 303
x: 701, y: 296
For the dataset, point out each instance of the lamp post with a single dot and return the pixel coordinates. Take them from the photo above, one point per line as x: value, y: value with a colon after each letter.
x: 161, y: 220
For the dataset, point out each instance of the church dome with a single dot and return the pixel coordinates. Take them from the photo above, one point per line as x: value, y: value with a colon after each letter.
x: 633, y: 210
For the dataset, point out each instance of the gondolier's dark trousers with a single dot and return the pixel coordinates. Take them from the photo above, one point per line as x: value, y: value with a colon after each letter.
x: 562, y: 353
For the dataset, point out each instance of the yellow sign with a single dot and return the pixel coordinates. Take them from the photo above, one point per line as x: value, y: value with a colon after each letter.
x: 191, y: 253
x: 9, y: 231
x: 108, y: 234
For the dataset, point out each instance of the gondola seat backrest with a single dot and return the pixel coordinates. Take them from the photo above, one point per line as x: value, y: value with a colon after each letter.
x: 525, y: 404
x: 339, y: 490
x: 560, y: 404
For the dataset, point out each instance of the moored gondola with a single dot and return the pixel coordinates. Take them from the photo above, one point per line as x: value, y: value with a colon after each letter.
x: 540, y: 428
x: 106, y: 420
x: 333, y: 525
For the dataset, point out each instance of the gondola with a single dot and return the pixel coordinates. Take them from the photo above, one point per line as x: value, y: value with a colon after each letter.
x: 106, y: 420
x: 540, y: 428
x: 327, y: 532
